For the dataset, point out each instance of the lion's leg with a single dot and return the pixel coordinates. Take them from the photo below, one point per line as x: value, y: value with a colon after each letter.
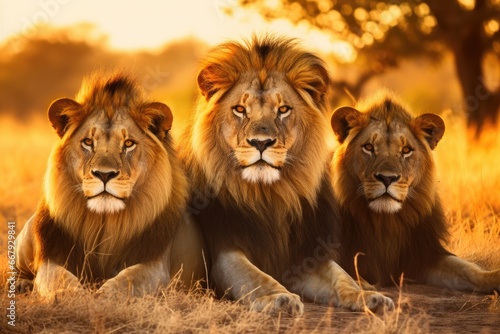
x: 455, y: 273
x: 52, y: 279
x: 187, y: 260
x: 25, y: 257
x: 234, y: 273
x: 138, y: 280
x: 330, y: 284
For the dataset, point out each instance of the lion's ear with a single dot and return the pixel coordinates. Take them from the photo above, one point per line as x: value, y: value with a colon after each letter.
x: 213, y: 78
x: 58, y: 116
x: 207, y: 81
x: 320, y: 85
x: 432, y: 127
x: 343, y: 120
x: 160, y: 118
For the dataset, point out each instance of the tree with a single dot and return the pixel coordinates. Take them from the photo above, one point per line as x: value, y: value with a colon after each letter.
x: 387, y: 31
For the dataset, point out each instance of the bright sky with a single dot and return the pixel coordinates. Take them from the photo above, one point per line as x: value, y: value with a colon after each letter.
x: 147, y: 23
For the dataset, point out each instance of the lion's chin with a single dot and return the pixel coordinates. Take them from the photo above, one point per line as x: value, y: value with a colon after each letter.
x: 103, y: 204
x: 261, y: 173
x: 385, y: 204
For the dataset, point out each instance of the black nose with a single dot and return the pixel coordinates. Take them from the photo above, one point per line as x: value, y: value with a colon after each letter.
x: 104, y: 176
x: 387, y: 179
x: 261, y: 145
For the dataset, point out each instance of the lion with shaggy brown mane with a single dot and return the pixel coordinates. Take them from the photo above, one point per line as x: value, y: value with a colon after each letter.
x: 113, y: 208
x: 257, y: 156
x: 384, y: 179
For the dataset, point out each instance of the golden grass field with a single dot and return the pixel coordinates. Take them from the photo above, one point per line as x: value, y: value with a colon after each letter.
x: 469, y: 183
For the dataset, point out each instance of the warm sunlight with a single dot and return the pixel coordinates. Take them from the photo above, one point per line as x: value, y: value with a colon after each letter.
x: 264, y: 166
x: 130, y: 25
x: 148, y: 24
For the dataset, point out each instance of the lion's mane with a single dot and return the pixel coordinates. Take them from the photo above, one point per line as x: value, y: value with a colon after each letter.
x: 96, y: 246
x: 408, y: 241
x: 274, y: 224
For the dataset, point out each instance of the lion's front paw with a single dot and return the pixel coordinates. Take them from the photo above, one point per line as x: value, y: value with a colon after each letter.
x: 279, y: 302
x: 375, y: 300
x: 113, y: 287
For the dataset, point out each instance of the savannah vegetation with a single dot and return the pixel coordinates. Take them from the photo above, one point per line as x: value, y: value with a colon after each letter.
x: 35, y: 71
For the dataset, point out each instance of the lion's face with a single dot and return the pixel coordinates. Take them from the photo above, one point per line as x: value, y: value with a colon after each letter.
x: 260, y: 126
x: 107, y: 160
x: 259, y: 100
x: 110, y: 156
x: 386, y: 165
x: 385, y: 153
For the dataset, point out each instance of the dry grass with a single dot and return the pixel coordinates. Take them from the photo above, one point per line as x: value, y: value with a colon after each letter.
x: 469, y: 181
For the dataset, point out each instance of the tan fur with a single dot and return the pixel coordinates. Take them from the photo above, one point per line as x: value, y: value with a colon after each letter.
x: 86, y: 234
x: 384, y: 179
x: 267, y: 220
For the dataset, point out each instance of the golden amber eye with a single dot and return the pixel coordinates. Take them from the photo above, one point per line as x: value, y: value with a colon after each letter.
x: 88, y: 142
x: 128, y: 143
x: 407, y: 150
x: 368, y: 147
x: 239, y: 109
x: 284, y: 109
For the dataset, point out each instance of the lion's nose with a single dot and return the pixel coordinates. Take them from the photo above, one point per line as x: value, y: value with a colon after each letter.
x: 387, y: 180
x: 261, y: 145
x: 105, y: 176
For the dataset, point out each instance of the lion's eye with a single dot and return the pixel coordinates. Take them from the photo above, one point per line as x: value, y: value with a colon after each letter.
x: 368, y: 148
x: 129, y: 144
x: 88, y: 143
x: 407, y: 151
x: 284, y: 111
x: 239, y: 110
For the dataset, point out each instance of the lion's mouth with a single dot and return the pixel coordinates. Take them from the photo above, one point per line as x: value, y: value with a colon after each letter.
x: 385, y: 195
x: 105, y: 194
x: 261, y: 163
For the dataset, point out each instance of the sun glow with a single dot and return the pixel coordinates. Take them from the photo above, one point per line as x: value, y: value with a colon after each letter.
x: 147, y: 24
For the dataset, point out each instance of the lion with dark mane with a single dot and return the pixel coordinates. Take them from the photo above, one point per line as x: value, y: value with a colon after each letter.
x: 384, y: 179
x: 257, y: 156
x: 112, y: 213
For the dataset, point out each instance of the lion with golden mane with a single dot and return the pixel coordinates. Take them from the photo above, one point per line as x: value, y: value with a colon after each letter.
x: 384, y: 180
x: 112, y: 212
x: 257, y: 156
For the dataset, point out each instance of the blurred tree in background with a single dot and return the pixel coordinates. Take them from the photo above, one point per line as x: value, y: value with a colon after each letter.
x: 385, y: 32
x: 36, y: 70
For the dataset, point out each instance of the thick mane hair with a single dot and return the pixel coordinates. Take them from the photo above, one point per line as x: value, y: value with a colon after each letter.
x: 408, y: 241
x: 96, y: 246
x: 110, y: 92
x: 284, y: 218
x: 223, y: 68
x: 226, y: 65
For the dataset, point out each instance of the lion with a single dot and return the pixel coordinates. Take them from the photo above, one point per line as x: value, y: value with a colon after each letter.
x: 384, y: 180
x: 257, y: 158
x: 112, y: 214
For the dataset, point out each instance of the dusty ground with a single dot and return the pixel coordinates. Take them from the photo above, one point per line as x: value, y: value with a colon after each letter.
x: 423, y: 309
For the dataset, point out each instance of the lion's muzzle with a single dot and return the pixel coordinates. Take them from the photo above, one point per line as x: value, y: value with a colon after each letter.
x: 261, y: 145
x: 105, y: 176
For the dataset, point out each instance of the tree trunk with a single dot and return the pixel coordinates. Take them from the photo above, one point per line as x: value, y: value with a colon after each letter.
x: 480, y: 104
x: 462, y: 31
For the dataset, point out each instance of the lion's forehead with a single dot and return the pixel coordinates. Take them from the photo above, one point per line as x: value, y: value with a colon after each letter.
x: 120, y: 127
x: 387, y: 135
x: 271, y: 95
